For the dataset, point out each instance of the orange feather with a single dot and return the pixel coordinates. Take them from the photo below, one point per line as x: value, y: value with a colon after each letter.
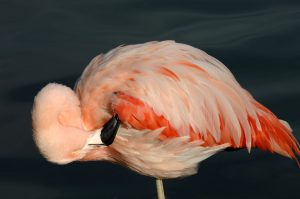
x: 273, y: 136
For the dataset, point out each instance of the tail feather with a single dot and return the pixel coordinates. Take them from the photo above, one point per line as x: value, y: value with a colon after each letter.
x: 275, y: 135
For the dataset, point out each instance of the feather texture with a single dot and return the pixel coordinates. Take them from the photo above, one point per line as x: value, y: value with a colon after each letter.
x: 177, y: 104
x: 172, y: 85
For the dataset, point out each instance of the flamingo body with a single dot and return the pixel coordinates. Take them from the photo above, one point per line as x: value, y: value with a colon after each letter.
x: 177, y: 104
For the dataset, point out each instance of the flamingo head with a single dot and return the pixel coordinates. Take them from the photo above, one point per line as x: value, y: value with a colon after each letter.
x: 57, y: 124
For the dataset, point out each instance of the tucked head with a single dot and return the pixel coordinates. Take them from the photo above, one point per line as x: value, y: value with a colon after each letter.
x: 57, y: 124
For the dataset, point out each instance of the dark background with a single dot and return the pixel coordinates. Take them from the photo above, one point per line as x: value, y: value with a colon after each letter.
x: 52, y: 41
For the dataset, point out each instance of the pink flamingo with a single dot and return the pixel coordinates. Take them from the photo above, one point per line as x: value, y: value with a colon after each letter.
x: 158, y: 108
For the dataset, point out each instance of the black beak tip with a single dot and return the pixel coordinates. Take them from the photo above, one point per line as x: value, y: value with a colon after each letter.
x: 109, y: 130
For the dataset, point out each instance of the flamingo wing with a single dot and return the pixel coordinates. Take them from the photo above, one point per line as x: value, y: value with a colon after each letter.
x: 191, y: 94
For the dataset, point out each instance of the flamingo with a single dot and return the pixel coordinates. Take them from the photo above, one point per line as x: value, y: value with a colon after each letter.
x: 158, y: 108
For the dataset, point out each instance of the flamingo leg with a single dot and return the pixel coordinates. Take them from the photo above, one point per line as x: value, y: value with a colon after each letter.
x: 160, y: 189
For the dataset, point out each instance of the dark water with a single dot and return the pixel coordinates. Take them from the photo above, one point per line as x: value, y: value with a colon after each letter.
x: 52, y: 41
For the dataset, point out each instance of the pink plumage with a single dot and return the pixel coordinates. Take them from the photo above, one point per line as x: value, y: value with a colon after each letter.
x: 177, y: 106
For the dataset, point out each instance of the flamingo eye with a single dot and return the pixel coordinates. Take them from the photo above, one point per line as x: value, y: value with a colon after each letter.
x: 109, y: 130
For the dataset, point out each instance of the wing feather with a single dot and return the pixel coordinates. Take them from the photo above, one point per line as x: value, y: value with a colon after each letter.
x: 166, y: 84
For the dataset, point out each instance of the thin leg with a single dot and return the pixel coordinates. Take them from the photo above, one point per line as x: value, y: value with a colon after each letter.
x: 160, y: 189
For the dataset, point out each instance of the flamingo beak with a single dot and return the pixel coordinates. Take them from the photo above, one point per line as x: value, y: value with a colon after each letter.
x: 107, y: 135
x: 109, y: 130
x: 94, y: 139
